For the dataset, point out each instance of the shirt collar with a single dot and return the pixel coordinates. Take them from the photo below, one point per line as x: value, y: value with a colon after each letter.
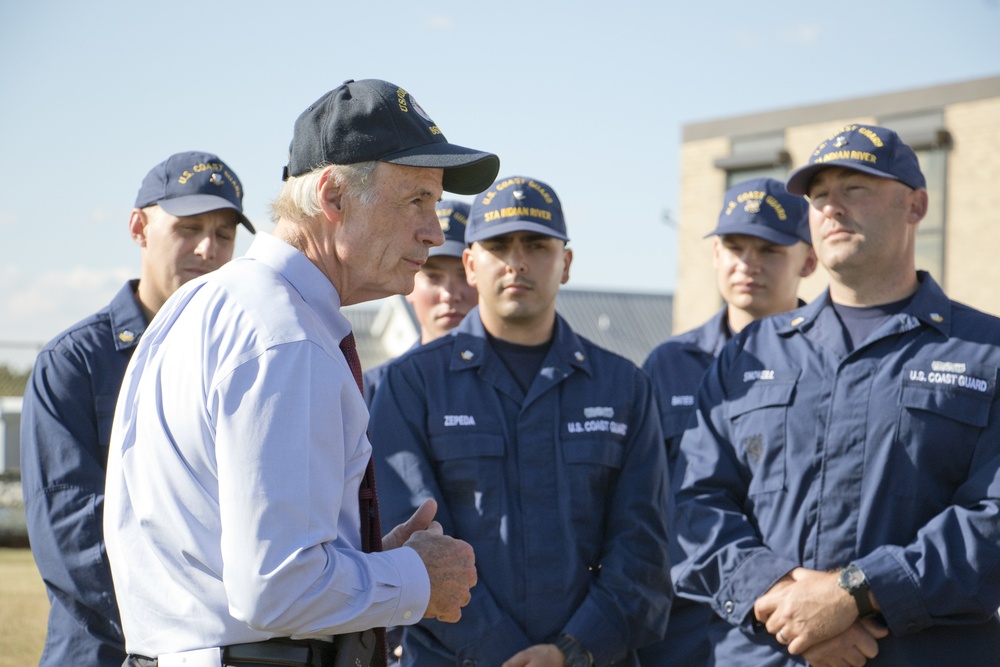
x: 304, y: 277
x: 929, y: 306
x: 567, y: 349
x: 716, y: 333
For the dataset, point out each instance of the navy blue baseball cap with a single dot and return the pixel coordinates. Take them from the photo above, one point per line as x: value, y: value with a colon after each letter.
x: 516, y: 204
x: 374, y: 120
x: 453, y: 216
x: 867, y: 148
x: 192, y: 183
x: 762, y: 207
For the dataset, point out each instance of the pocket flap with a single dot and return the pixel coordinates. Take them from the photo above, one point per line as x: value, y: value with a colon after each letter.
x: 466, y: 445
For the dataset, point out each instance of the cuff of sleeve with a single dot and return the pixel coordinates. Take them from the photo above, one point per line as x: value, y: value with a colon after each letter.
x: 497, y: 644
x: 750, y: 580
x: 415, y: 588
x: 897, y: 593
x: 598, y: 633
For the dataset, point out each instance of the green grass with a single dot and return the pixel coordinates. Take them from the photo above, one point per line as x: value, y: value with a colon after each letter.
x: 24, y: 609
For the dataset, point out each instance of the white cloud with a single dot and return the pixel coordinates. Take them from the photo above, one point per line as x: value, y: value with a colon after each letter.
x: 805, y: 34
x: 441, y: 23
x: 101, y: 215
x: 35, y: 308
x: 798, y: 35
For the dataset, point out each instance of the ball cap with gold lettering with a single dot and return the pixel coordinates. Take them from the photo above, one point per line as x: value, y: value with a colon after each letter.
x: 192, y: 183
x: 453, y: 216
x: 867, y: 148
x: 516, y: 204
x: 374, y: 120
x: 762, y: 207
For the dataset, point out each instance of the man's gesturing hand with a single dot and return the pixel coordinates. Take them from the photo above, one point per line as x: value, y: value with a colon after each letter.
x: 450, y: 563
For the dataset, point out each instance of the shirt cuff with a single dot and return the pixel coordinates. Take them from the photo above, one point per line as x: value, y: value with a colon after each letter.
x: 750, y: 580
x: 897, y: 594
x: 598, y: 633
x: 415, y: 586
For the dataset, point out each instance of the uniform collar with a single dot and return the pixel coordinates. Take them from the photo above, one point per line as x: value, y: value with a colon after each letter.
x: 716, y: 333
x: 566, y: 353
x: 708, y: 338
x: 929, y: 306
x: 127, y: 319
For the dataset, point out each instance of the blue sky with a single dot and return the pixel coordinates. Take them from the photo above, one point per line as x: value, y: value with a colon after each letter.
x: 586, y: 96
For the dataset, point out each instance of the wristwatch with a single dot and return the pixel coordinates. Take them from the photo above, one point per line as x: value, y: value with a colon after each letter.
x: 576, y: 654
x: 853, y: 580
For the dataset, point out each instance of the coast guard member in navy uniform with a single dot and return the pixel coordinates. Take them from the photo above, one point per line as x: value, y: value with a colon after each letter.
x: 761, y: 250
x: 842, y: 493
x: 184, y: 221
x: 543, y: 451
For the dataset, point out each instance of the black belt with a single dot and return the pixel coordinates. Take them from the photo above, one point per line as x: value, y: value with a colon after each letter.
x: 351, y: 649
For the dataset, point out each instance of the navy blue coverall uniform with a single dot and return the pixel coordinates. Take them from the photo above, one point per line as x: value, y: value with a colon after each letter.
x: 888, y: 456
x: 66, y: 420
x: 676, y: 367
x: 562, y: 491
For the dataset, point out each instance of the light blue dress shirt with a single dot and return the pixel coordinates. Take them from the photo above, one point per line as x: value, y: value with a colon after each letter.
x: 238, y: 446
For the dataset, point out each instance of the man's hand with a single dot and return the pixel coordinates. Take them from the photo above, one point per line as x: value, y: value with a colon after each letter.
x: 421, y: 520
x: 805, y: 608
x: 852, y: 648
x: 539, y: 655
x: 450, y: 563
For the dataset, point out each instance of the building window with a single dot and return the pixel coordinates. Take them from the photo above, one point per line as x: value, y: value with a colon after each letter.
x: 756, y: 156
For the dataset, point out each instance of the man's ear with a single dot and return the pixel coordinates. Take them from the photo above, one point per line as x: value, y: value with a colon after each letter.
x: 331, y: 196
x: 918, y: 206
x: 137, y: 226
x: 809, y: 266
x: 469, y: 264
x: 568, y: 259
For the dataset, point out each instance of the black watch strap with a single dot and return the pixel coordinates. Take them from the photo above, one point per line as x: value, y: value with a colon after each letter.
x: 864, y: 602
x: 575, y: 654
x: 854, y: 581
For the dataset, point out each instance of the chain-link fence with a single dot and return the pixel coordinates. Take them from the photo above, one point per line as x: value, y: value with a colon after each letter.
x: 16, y: 360
x: 12, y: 382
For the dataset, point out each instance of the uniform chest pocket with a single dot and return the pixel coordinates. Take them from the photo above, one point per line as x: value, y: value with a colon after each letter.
x: 676, y: 420
x: 469, y: 468
x: 940, y: 425
x: 758, y: 432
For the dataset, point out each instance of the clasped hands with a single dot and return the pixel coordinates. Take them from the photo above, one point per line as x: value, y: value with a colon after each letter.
x: 814, y: 617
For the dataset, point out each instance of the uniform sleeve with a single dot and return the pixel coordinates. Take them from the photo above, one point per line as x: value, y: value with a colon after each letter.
x: 63, y: 465
x: 727, y: 564
x: 949, y: 573
x: 629, y: 600
x: 406, y: 478
x: 670, y: 367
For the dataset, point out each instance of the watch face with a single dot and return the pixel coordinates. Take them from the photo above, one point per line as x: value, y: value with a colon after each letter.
x: 851, y: 578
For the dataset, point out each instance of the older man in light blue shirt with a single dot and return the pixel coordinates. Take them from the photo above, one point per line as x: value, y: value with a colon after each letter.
x: 233, y: 519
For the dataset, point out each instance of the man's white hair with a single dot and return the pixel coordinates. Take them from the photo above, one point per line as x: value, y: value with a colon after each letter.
x: 299, y: 198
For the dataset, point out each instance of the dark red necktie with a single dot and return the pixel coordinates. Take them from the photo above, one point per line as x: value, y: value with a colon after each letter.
x: 371, y: 526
